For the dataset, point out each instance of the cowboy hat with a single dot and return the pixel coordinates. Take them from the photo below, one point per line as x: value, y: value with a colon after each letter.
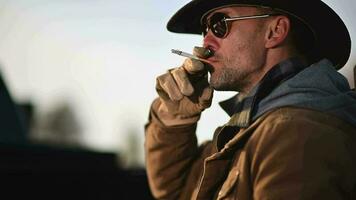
x: 332, y: 39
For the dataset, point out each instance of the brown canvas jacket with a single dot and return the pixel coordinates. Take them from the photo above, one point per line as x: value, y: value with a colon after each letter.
x: 288, y: 153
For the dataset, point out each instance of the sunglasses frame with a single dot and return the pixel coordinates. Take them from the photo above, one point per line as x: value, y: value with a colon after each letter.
x: 226, y: 18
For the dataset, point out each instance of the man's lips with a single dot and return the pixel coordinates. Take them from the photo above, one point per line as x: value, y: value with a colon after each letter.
x: 212, y: 60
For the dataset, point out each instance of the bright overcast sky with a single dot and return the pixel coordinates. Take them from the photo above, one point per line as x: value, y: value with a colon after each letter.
x: 102, y: 56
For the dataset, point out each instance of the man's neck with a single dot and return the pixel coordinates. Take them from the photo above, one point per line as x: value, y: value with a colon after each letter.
x: 268, y: 66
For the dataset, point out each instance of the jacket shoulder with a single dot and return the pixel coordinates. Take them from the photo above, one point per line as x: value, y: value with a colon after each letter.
x: 306, y: 152
x: 305, y: 115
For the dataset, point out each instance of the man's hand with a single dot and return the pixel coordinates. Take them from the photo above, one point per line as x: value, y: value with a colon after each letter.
x: 184, y: 92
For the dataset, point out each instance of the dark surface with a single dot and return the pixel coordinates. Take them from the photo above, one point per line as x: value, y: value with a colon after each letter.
x: 38, y: 171
x: 46, y: 172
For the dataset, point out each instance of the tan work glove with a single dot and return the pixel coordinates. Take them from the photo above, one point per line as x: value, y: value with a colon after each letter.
x: 184, y: 92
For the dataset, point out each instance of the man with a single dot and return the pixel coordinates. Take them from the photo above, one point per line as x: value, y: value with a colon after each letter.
x: 292, y: 132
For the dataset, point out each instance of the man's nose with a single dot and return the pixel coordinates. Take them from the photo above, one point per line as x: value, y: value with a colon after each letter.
x: 210, y: 41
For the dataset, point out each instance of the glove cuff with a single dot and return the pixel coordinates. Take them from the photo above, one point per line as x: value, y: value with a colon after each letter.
x: 168, y: 120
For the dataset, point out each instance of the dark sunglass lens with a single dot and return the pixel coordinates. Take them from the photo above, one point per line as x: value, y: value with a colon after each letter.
x: 217, y: 24
x: 219, y: 29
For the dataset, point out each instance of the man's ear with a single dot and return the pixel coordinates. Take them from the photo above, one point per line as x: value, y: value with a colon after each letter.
x: 277, y: 31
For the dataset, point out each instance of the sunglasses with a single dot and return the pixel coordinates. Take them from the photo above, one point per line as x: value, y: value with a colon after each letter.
x: 218, y: 23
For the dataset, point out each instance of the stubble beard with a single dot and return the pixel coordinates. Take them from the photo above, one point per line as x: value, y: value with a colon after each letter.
x: 229, y: 77
x: 239, y: 72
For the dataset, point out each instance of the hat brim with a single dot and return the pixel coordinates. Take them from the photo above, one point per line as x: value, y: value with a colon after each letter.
x: 332, y: 37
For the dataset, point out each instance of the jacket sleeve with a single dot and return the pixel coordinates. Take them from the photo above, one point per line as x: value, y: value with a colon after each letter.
x: 172, y: 154
x: 302, y: 157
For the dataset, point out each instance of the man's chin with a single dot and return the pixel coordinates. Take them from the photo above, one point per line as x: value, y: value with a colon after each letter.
x: 219, y: 87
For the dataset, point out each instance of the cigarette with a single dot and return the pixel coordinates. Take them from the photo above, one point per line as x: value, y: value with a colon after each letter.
x: 188, y: 55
